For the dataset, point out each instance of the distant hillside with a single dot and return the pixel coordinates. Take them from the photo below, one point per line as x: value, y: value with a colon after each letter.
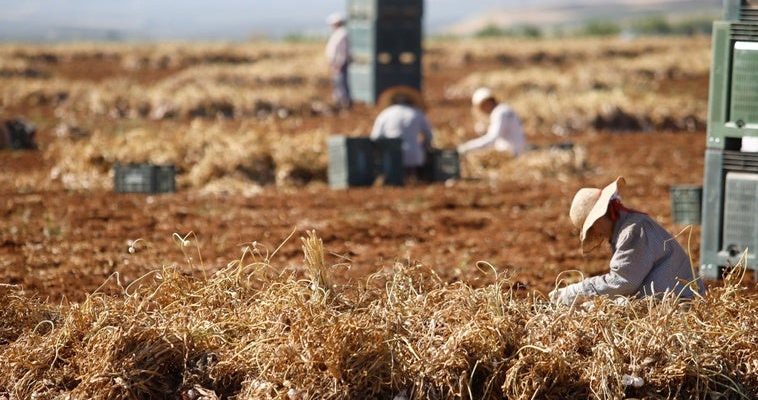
x: 572, y: 13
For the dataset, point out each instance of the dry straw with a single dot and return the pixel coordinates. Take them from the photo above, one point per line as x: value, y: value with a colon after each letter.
x: 253, y: 331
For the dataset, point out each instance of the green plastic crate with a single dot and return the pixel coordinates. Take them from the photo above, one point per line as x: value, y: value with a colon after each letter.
x: 686, y: 203
x: 144, y: 178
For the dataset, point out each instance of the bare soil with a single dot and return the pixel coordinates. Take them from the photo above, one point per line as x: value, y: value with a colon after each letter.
x: 58, y: 243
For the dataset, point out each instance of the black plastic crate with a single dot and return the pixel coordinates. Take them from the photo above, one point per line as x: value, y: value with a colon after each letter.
x: 686, y: 203
x: 144, y: 178
x: 379, y: 9
x: 388, y: 156
x: 351, y: 162
x: 19, y: 135
x: 442, y: 165
x: 391, y: 41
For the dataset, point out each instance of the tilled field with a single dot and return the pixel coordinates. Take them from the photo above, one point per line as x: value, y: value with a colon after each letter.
x: 56, y: 242
x: 421, y: 292
x: 64, y: 232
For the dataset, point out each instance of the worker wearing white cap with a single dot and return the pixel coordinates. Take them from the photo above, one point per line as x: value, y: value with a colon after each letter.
x: 646, y: 261
x: 504, y: 131
x: 338, y: 56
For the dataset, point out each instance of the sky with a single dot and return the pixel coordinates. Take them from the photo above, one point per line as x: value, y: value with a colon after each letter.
x: 237, y: 19
x: 198, y: 19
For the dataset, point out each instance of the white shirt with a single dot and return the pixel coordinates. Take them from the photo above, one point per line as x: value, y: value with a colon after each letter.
x: 337, y: 48
x: 505, y: 133
x: 406, y: 122
x: 750, y: 144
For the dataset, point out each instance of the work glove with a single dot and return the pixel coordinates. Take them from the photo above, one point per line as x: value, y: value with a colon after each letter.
x: 566, y: 295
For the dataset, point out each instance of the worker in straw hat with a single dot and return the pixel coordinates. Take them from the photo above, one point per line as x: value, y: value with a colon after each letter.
x: 504, y: 131
x: 338, y: 56
x: 403, y: 117
x: 646, y: 261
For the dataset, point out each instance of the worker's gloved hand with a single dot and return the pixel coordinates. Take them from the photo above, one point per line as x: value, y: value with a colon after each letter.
x: 565, y: 295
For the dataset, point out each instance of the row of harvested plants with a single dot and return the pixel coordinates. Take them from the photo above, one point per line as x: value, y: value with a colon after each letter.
x: 255, y: 331
x: 240, y: 114
x: 248, y: 157
x: 591, y: 84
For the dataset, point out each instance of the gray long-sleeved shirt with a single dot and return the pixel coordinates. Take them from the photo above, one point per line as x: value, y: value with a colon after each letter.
x: 647, y: 261
x: 408, y: 123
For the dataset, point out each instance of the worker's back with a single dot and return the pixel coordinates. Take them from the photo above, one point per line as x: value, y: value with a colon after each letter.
x: 510, y: 131
x: 405, y: 122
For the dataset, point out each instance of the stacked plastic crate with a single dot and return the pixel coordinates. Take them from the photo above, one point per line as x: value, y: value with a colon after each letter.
x: 385, y: 45
x: 730, y: 192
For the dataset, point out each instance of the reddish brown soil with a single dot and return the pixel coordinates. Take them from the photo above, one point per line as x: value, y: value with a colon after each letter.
x: 57, y: 243
x: 62, y: 243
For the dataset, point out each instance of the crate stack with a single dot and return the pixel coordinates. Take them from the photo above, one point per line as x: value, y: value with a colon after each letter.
x: 385, y: 45
x: 730, y: 189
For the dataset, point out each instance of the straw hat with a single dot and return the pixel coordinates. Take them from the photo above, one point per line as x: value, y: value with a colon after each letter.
x: 413, y: 96
x: 591, y: 204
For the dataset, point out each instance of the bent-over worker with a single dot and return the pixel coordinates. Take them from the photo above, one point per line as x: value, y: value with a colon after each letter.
x: 504, y: 131
x: 403, y: 117
x: 646, y: 261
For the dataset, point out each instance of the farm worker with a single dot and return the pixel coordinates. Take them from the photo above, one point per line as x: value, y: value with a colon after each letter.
x: 338, y: 56
x: 646, y: 261
x: 504, y: 131
x: 403, y: 117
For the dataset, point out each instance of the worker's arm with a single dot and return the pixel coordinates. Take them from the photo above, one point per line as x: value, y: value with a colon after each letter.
x: 489, y: 138
x: 378, y: 130
x: 630, y: 264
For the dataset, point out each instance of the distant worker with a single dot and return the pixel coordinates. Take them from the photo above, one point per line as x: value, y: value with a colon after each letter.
x: 504, y: 131
x: 403, y: 117
x: 646, y: 261
x: 338, y: 56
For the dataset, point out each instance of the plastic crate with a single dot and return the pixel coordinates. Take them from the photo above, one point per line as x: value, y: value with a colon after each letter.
x: 385, y: 39
x: 686, y: 203
x: 388, y: 158
x: 386, y: 36
x: 19, y: 135
x: 740, y: 230
x: 144, y: 178
x: 351, y: 162
x: 379, y: 9
x: 442, y: 165
x: 368, y: 81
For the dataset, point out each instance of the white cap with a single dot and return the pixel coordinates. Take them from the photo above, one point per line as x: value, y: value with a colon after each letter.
x: 335, y: 18
x: 480, y: 95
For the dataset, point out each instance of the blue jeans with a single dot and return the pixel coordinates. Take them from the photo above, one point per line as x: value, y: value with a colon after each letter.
x: 341, y: 92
